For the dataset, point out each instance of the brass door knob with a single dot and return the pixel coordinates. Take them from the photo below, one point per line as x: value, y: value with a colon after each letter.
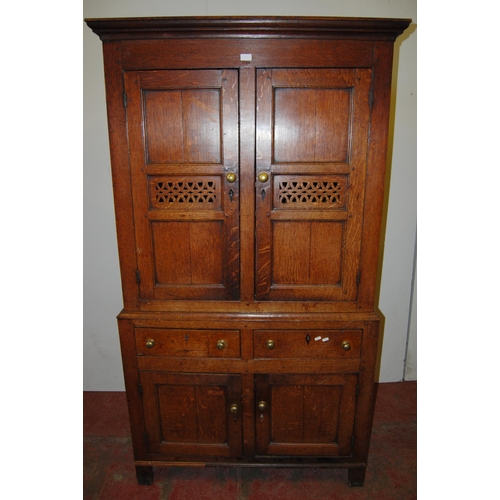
x: 230, y: 177
x: 270, y: 344
x: 150, y: 343
x: 262, y: 405
x: 263, y: 176
x: 234, y: 408
x: 346, y: 345
x: 221, y: 344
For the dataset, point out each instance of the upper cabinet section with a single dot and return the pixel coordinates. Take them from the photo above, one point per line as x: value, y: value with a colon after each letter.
x: 248, y: 159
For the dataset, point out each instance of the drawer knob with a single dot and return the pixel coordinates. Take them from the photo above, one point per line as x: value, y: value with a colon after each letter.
x: 263, y: 176
x: 230, y: 177
x: 221, y: 344
x: 234, y: 408
x: 346, y: 345
x: 270, y: 344
x: 150, y: 343
x: 262, y: 405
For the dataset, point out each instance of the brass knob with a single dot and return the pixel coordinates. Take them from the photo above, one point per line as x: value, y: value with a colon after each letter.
x: 262, y: 405
x: 270, y: 344
x: 230, y: 177
x: 150, y: 343
x: 346, y: 345
x: 263, y: 177
x: 221, y: 344
x: 234, y: 408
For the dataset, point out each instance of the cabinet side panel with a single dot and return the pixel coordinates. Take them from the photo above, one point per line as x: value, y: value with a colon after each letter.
x: 117, y: 129
x: 131, y: 376
x: 375, y: 174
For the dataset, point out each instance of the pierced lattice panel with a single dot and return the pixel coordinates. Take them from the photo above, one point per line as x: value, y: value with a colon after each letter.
x: 309, y: 192
x: 185, y: 193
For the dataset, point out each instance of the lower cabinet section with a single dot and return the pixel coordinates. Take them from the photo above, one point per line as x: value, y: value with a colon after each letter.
x: 257, y: 393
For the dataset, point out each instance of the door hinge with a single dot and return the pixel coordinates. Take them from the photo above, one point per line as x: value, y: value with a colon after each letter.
x: 146, y: 438
x: 140, y: 389
x: 125, y: 99
x: 357, y: 390
x: 138, y: 277
x: 358, y: 278
x: 352, y: 440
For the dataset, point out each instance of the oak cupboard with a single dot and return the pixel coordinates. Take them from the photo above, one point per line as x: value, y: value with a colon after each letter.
x: 248, y: 160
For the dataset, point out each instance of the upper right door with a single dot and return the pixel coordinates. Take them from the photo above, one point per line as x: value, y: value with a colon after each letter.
x: 311, y: 154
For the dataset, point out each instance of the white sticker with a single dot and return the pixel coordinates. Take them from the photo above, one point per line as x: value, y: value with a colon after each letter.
x: 317, y: 338
x: 326, y: 339
x: 245, y: 57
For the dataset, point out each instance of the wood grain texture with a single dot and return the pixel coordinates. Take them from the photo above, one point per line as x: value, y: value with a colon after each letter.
x: 122, y: 190
x: 180, y: 117
x: 317, y: 118
x: 303, y: 414
x: 188, y: 414
x: 187, y: 343
x: 182, y: 126
x: 344, y: 28
x: 310, y: 344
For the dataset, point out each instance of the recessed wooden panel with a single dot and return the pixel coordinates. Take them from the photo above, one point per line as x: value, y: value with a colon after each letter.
x: 177, y: 413
x: 182, y: 126
x: 311, y: 125
x: 326, y: 253
x: 287, y: 414
x: 291, y: 248
x: 305, y: 414
x: 321, y: 413
x: 188, y: 252
x: 307, y: 252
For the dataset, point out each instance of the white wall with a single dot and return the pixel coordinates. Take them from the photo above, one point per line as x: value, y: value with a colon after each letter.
x: 102, y: 292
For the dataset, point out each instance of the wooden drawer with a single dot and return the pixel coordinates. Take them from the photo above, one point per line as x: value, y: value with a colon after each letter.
x: 340, y: 344
x: 159, y: 342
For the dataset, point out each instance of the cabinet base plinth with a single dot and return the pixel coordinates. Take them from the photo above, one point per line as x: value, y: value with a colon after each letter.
x: 356, y: 477
x: 144, y: 475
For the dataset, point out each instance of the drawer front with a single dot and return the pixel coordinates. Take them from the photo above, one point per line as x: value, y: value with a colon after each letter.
x: 334, y: 344
x: 159, y: 342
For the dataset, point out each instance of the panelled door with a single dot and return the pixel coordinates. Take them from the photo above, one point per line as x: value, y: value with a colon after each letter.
x: 183, y: 140
x: 192, y: 414
x: 304, y: 415
x: 312, y: 136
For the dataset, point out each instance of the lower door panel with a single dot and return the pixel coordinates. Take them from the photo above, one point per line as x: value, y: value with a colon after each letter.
x: 305, y: 415
x: 192, y: 414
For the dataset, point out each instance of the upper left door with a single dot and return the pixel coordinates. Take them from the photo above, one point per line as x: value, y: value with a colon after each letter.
x: 183, y: 146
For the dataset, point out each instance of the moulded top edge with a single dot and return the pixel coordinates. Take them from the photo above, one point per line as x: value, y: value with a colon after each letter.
x: 314, y: 27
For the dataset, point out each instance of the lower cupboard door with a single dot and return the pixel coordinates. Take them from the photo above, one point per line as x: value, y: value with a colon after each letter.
x: 305, y: 415
x: 192, y: 414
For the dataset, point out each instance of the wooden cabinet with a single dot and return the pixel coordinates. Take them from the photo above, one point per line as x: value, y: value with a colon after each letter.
x: 248, y: 160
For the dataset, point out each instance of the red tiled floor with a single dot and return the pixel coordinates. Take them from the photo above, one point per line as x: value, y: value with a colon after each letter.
x: 105, y: 414
x: 109, y: 471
